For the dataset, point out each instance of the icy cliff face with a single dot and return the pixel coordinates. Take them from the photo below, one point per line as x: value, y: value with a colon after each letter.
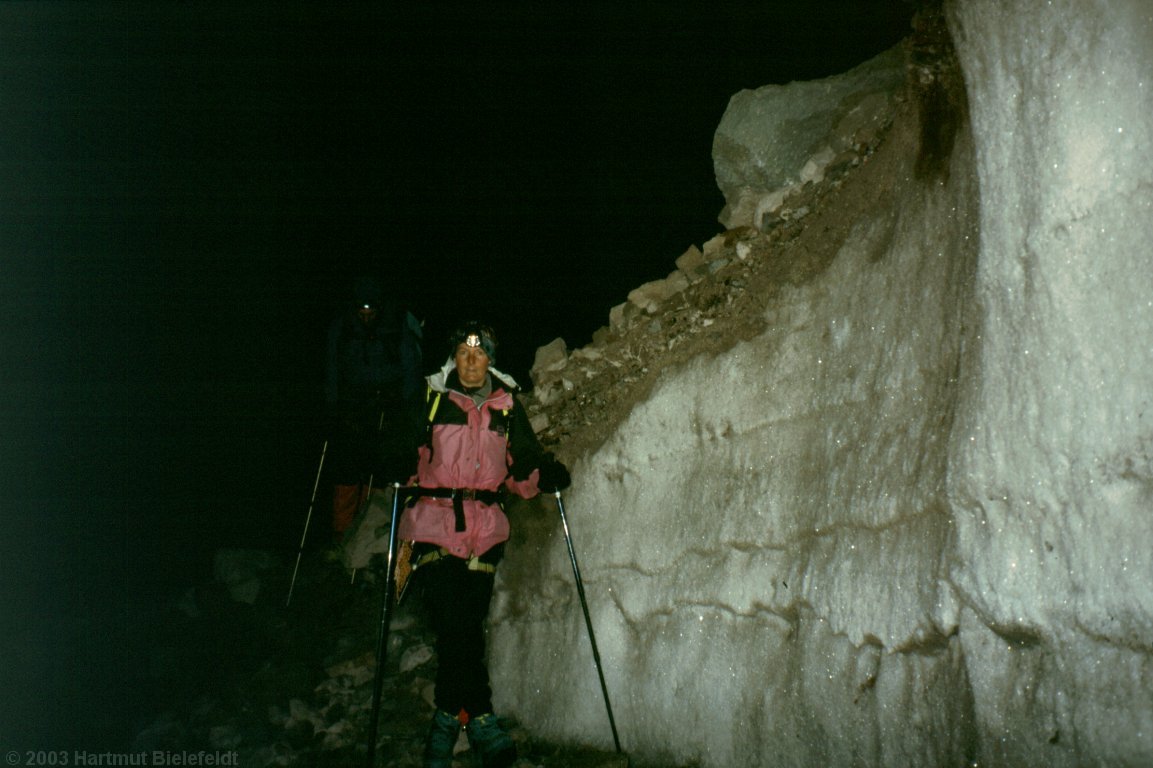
x: 1051, y: 460
x: 909, y: 522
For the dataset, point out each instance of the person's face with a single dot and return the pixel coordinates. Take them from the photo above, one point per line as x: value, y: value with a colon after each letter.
x: 471, y: 365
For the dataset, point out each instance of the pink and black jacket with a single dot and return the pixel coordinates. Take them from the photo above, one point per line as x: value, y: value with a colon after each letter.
x: 471, y: 456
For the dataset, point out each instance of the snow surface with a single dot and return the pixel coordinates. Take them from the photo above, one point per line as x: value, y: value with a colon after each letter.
x: 910, y: 523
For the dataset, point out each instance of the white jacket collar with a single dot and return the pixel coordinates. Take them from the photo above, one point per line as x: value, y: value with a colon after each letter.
x: 438, y: 379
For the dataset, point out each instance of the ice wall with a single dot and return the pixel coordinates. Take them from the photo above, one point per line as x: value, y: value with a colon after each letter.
x: 909, y: 524
x: 1051, y: 464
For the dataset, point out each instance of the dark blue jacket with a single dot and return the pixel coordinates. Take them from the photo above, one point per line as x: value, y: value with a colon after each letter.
x: 375, y: 362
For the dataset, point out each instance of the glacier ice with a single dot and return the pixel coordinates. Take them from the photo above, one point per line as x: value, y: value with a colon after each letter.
x: 909, y: 523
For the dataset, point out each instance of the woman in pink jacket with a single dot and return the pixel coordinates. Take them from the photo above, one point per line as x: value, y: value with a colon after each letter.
x: 480, y: 446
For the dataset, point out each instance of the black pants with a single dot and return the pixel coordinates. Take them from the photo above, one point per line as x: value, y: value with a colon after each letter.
x: 457, y: 601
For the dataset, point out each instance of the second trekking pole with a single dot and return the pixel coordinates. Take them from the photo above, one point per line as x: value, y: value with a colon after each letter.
x: 307, y: 520
x: 576, y: 572
x: 386, y: 602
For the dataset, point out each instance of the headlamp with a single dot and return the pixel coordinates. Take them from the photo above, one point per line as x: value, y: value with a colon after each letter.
x: 473, y: 335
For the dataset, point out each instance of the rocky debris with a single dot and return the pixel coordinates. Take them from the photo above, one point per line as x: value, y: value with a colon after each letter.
x: 292, y: 686
x: 711, y: 299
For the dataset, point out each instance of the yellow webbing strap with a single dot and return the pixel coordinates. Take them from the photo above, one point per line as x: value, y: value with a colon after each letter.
x: 474, y: 562
x: 435, y: 403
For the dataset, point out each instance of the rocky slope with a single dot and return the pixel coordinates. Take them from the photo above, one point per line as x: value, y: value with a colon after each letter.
x: 235, y: 671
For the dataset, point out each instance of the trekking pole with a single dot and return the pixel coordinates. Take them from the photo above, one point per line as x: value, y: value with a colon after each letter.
x: 386, y: 602
x: 576, y: 572
x: 307, y: 519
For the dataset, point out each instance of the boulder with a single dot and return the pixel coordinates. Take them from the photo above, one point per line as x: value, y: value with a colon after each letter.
x: 773, y: 139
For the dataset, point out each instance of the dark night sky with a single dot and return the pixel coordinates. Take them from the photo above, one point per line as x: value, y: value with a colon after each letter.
x: 185, y: 191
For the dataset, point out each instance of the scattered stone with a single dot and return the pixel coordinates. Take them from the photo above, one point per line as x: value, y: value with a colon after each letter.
x: 649, y: 296
x: 551, y: 357
x: 414, y: 657
x: 690, y: 259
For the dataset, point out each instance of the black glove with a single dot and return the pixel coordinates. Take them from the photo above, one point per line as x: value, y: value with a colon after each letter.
x: 554, y: 476
x: 520, y: 471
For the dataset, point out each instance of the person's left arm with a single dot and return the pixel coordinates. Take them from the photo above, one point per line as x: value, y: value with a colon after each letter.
x: 532, y: 468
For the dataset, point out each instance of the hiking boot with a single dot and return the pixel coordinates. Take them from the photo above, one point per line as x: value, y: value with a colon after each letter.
x: 495, y: 747
x: 442, y: 735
